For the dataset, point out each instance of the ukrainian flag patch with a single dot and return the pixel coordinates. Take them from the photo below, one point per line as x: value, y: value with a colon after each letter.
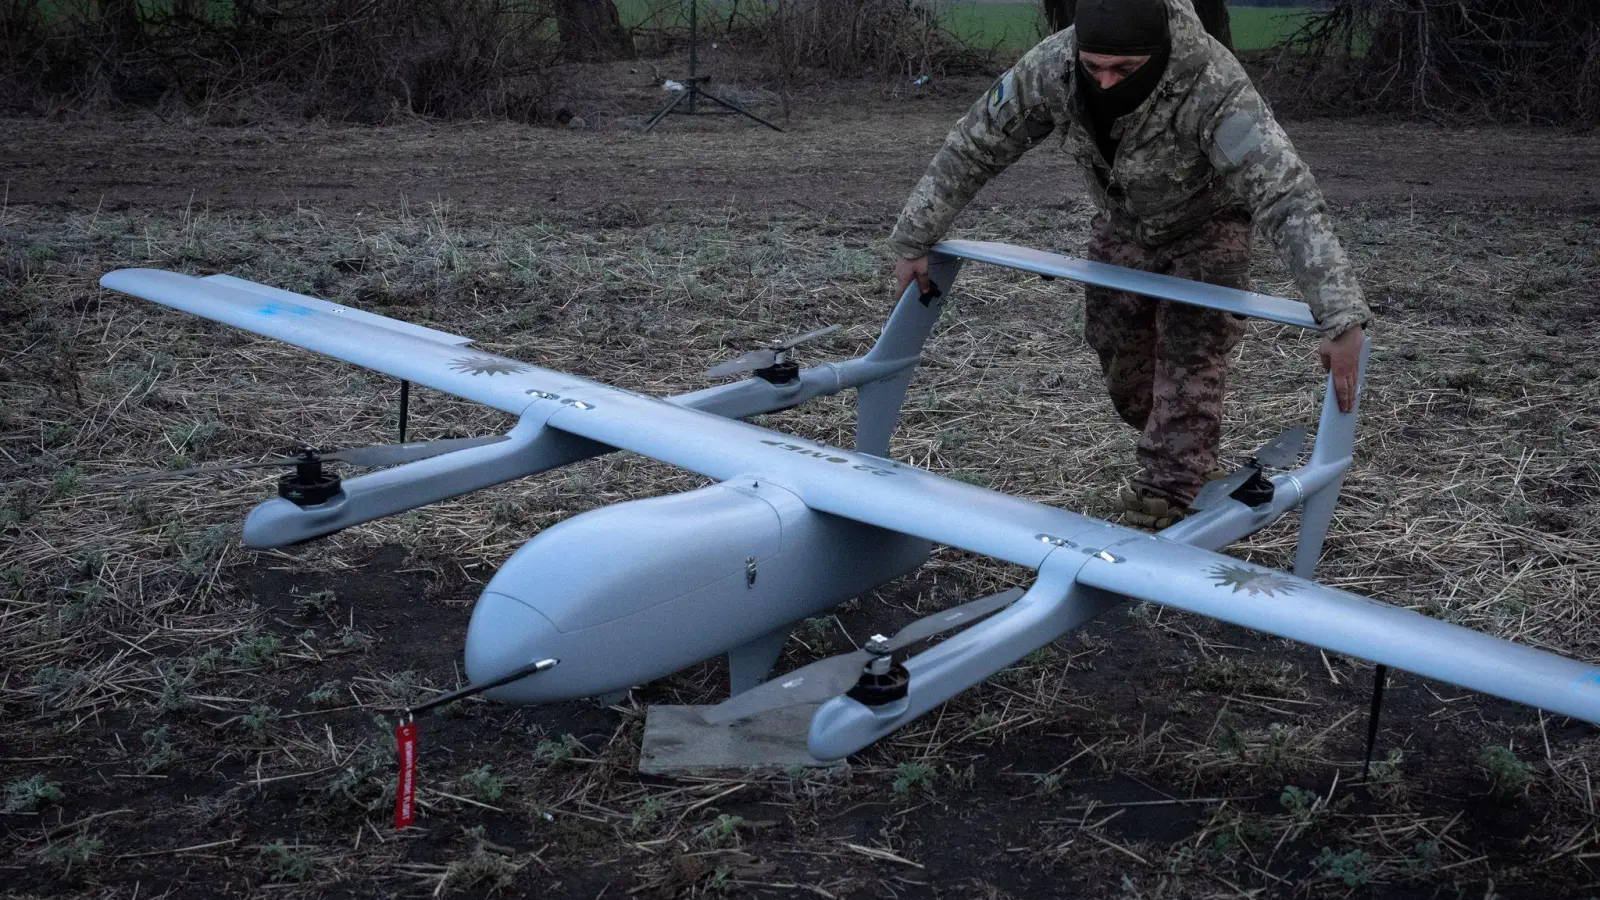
x: 1003, y: 90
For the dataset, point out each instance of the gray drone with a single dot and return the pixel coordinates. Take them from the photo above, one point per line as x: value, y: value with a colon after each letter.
x: 623, y: 595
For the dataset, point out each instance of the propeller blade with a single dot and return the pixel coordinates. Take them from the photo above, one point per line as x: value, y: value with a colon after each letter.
x: 791, y: 343
x: 928, y: 626
x: 196, y: 470
x: 755, y: 359
x: 828, y: 678
x: 822, y: 680
x: 1216, y: 491
x: 1283, y: 451
x: 395, y: 454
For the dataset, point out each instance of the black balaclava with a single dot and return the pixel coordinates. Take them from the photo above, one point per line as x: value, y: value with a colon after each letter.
x: 1121, y: 28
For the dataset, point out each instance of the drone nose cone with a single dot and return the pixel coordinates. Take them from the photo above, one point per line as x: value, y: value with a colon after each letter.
x: 505, y: 635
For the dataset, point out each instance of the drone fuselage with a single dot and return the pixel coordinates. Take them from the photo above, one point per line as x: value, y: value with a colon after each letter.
x: 626, y: 594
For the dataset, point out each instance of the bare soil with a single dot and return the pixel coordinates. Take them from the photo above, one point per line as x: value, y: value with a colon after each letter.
x: 208, y: 713
x: 861, y: 149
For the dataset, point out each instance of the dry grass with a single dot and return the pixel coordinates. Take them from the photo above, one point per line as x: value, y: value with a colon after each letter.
x: 197, y: 703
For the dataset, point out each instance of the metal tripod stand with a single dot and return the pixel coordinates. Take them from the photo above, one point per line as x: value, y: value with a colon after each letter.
x: 692, y: 91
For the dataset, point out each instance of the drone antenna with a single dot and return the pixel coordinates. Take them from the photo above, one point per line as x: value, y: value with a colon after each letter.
x: 469, y: 690
x: 405, y: 735
x: 1380, y: 678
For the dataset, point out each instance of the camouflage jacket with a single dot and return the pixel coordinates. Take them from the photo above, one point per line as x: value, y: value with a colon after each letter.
x: 1205, y: 142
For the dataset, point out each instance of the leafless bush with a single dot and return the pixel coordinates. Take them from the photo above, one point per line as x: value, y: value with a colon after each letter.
x: 1518, y: 60
x: 358, y: 60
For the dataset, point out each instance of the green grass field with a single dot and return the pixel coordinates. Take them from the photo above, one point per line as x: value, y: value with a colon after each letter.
x: 1012, y: 27
x: 1016, y: 26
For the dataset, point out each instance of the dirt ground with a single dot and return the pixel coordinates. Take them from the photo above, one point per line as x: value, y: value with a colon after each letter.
x: 861, y: 149
x: 210, y: 717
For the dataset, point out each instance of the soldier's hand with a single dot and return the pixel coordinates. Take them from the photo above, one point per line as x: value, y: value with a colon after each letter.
x: 909, y: 270
x: 1342, y: 357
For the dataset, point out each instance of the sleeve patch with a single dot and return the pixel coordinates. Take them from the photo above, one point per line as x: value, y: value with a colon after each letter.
x: 1237, y: 136
x: 1003, y: 92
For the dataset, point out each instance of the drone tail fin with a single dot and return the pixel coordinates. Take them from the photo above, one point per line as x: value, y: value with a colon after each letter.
x: 1336, y: 441
x: 879, y: 402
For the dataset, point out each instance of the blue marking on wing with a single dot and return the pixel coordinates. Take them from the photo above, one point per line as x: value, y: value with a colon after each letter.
x: 277, y: 307
x: 1587, y: 682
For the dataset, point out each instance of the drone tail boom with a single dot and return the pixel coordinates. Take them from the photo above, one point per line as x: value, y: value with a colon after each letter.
x: 1336, y: 441
x: 900, y: 345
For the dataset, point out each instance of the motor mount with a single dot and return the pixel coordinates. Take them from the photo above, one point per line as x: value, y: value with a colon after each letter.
x: 308, y: 485
x: 883, y: 681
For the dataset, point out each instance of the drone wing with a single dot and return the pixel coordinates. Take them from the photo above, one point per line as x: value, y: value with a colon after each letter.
x: 854, y: 485
x: 1161, y: 571
x: 1135, y: 565
x: 411, y: 352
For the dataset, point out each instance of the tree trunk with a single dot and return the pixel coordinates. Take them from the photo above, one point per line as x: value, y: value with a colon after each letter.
x: 1214, y: 16
x: 591, y: 30
x: 1059, y: 13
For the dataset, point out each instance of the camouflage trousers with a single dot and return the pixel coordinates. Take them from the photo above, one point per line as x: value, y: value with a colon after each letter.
x: 1165, y: 363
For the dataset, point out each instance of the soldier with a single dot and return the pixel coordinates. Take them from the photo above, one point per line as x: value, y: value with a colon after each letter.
x: 1182, y: 158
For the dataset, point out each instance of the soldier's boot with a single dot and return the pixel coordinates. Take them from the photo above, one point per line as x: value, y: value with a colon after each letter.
x: 1145, y: 507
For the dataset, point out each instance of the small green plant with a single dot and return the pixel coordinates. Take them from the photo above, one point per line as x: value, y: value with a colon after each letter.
x: 80, y: 603
x: 204, y: 663
x: 1227, y: 675
x: 158, y: 751
x: 482, y: 784
x: 55, y: 682
x: 174, y: 696
x: 1386, y: 774
x: 324, y: 695
x: 481, y: 869
x: 722, y: 832
x: 26, y: 795
x: 1234, y: 835
x: 910, y: 777
x: 556, y: 752
x: 320, y: 602
x: 66, y: 483
x: 14, y: 509
x: 1227, y: 736
x: 1353, y: 868
x: 193, y: 438
x: 818, y: 629
x: 353, y: 638
x: 1303, y: 805
x: 258, y: 721
x: 285, y: 863
x: 647, y: 813
x: 983, y: 721
x: 1050, y: 783
x: 80, y: 851
x: 1043, y: 656
x: 257, y: 651
x: 1423, y: 858
x: 1508, y: 775
x: 508, y: 511
x: 92, y: 564
x: 197, y: 554
x: 138, y: 508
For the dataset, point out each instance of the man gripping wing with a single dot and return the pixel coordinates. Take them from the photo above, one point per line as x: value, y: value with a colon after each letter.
x: 1183, y: 160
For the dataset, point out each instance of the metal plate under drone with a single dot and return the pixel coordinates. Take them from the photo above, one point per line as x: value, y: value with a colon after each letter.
x: 677, y: 742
